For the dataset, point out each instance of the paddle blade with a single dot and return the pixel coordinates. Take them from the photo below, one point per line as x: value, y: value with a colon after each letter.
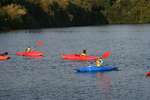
x: 39, y: 43
x: 106, y: 54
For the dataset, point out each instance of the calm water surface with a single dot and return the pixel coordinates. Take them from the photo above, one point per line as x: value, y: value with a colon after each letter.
x: 52, y: 78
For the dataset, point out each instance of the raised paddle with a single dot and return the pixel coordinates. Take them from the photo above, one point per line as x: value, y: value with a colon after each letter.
x: 39, y: 42
x: 105, y: 55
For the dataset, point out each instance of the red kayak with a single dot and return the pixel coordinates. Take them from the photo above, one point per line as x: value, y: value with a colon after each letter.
x: 30, y: 54
x: 84, y: 58
x: 77, y: 57
x: 147, y: 74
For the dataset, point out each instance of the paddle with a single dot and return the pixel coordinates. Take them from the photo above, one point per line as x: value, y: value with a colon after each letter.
x: 39, y: 43
x: 105, y: 55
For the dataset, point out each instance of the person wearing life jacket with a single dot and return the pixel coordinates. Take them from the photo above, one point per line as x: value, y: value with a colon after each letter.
x: 28, y: 49
x: 4, y: 54
x: 84, y: 53
x: 99, y: 62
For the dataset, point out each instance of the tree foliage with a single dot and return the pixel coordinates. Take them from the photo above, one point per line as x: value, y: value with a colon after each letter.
x: 48, y: 13
x: 59, y: 13
x: 129, y: 11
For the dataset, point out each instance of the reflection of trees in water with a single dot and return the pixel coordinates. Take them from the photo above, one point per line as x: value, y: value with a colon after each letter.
x: 104, y: 83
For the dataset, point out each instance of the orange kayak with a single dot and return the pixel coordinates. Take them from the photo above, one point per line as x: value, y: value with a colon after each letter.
x: 4, y: 58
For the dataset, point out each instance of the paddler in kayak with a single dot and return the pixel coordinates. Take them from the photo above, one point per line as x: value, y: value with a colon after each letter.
x: 84, y: 53
x: 4, y: 54
x: 99, y: 62
x: 28, y: 49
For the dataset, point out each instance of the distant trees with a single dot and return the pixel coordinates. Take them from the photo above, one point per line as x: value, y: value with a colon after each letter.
x: 48, y: 13
x: 4, y: 20
x: 129, y: 11
x: 18, y: 14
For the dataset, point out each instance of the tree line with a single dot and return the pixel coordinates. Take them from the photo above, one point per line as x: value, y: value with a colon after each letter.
x: 25, y: 14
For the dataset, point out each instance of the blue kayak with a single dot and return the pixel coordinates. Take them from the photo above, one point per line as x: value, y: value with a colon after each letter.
x: 96, y: 69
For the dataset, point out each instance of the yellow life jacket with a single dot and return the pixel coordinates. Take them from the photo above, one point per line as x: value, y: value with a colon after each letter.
x: 99, y: 62
x: 83, y: 54
x: 28, y: 50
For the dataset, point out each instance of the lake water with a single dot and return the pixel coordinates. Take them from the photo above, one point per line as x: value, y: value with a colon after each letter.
x: 52, y: 78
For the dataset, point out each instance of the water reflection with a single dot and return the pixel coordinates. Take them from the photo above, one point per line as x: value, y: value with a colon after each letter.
x: 104, y: 84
